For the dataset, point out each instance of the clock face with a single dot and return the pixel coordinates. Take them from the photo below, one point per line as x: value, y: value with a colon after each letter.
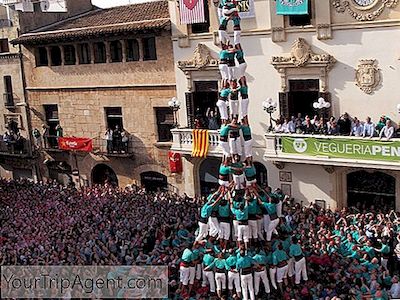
x: 364, y: 3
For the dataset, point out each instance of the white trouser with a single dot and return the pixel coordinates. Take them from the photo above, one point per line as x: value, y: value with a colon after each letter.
x: 243, y: 233
x: 260, y: 229
x: 251, y: 182
x: 281, y: 273
x: 279, y: 209
x: 266, y: 220
x: 184, y: 273
x: 235, y: 145
x: 272, y: 277
x: 233, y: 279
x: 291, y: 267
x: 258, y: 276
x: 234, y: 107
x: 223, y: 109
x: 208, y: 279
x: 247, y: 286
x: 223, y: 183
x: 248, y: 148
x: 203, y: 232
x: 220, y: 280
x: 253, y: 229
x: 384, y: 262
x: 235, y: 229
x: 192, y: 274
x: 220, y: 14
x: 224, y: 71
x: 240, y: 181
x: 225, y: 232
x: 223, y: 36
x: 240, y: 70
x: 236, y: 37
x: 231, y: 71
x: 301, y: 270
x: 214, y: 226
x: 271, y: 228
x: 199, y: 271
x: 226, y: 150
x: 244, y: 107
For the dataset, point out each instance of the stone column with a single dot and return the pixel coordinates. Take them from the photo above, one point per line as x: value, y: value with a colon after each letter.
x: 91, y: 51
x: 49, y: 62
x: 76, y: 54
x: 124, y: 54
x: 62, y: 55
x: 108, y: 52
x: 140, y: 43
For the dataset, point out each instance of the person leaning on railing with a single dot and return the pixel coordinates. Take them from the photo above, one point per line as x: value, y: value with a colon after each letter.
x: 387, y: 131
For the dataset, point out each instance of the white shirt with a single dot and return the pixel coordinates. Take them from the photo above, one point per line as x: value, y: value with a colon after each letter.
x: 357, y: 130
x: 292, y: 127
x: 387, y: 132
x: 285, y: 128
x: 369, y: 129
x: 395, y: 290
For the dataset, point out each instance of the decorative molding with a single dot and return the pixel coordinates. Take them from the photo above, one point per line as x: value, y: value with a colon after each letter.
x: 368, y: 75
x: 201, y: 59
x: 324, y: 31
x: 369, y: 13
x: 278, y: 34
x: 302, y: 56
x: 329, y: 169
x: 279, y: 165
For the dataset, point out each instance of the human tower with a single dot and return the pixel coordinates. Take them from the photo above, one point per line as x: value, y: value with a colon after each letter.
x: 233, y: 245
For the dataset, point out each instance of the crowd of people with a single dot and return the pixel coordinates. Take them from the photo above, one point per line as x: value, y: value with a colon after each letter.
x: 345, y: 125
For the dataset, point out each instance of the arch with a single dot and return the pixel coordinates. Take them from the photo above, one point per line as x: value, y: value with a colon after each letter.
x: 132, y: 50
x: 154, y: 181
x: 101, y: 174
x: 371, y: 189
x: 262, y: 174
x: 208, y: 173
x: 55, y: 54
x: 100, y: 55
x: 116, y: 51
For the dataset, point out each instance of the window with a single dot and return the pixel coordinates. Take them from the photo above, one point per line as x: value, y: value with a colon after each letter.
x: 132, y: 50
x: 84, y: 53
x: 301, y: 20
x: 51, y: 113
x: 41, y: 58
x: 69, y: 55
x: 8, y: 91
x: 4, y: 46
x: 203, y: 27
x: 114, y: 117
x: 165, y: 122
x: 55, y: 54
x: 100, y: 55
x: 116, y: 51
x: 149, y: 48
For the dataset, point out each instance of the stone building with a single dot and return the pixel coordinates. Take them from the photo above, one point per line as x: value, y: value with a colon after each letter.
x: 97, y: 70
x: 346, y: 52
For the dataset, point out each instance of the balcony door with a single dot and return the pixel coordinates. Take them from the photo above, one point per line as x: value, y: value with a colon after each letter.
x: 208, y: 173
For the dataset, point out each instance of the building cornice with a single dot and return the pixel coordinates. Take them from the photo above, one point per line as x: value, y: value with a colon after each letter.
x: 103, y: 87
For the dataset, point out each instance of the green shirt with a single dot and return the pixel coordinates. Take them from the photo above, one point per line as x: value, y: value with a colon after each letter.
x: 250, y: 171
x: 218, y: 263
x: 225, y: 93
x: 385, y: 249
x: 224, y: 211
x: 270, y: 207
x: 241, y: 215
x: 208, y: 259
x: 231, y: 262
x: 206, y: 210
x: 244, y: 262
x: 187, y: 256
x: 260, y: 259
x: 224, y: 131
x: 224, y: 170
x: 253, y: 207
x: 279, y: 256
x: 295, y: 250
x: 246, y: 130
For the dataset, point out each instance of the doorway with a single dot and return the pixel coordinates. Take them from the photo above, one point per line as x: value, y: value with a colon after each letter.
x: 302, y: 95
x: 262, y: 174
x: 369, y: 191
x: 208, y: 173
x: 205, y: 97
x: 154, y: 181
x: 102, y: 174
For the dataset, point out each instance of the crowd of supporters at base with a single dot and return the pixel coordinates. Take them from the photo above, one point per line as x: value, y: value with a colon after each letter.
x: 346, y: 125
x: 344, y: 250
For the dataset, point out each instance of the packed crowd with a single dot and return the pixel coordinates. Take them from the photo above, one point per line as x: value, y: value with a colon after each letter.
x: 345, y: 125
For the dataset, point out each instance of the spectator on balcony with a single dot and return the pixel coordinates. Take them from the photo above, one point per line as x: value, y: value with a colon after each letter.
x: 344, y: 124
x: 212, y: 119
x: 333, y: 129
x: 59, y: 131
x: 285, y: 126
x: 308, y: 127
x: 299, y: 126
x: 8, y: 139
x: 321, y: 127
x: 37, y: 138
x: 292, y: 125
x: 117, y: 139
x: 299, y: 118
x: 109, y: 139
x: 278, y: 126
x: 387, y: 131
x: 369, y: 128
x: 46, y: 136
x: 357, y: 129
x: 125, y: 140
x: 329, y: 124
x: 19, y: 143
x: 315, y: 120
x: 381, y: 123
x: 12, y: 125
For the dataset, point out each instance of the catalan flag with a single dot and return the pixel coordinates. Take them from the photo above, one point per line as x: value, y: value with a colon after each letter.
x: 200, y: 142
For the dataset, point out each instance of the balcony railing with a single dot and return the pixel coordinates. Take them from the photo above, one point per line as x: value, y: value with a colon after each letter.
x: 8, y: 99
x: 19, y: 147
x: 182, y: 141
x: 333, y: 150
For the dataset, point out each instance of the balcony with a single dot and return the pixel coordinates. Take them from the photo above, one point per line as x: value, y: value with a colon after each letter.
x: 346, y: 151
x: 8, y: 100
x: 15, y: 148
x: 182, y: 142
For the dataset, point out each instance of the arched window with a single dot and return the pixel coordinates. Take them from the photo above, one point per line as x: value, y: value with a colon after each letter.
x: 55, y: 54
x: 41, y: 57
x: 100, y: 55
x: 132, y: 50
x: 116, y: 51
x: 84, y: 53
x: 69, y: 55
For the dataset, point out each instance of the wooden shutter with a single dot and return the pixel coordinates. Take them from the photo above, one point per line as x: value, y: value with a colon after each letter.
x: 190, y: 109
x: 284, y: 104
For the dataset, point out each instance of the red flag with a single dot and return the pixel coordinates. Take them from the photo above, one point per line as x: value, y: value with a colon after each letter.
x: 75, y: 144
x: 191, y: 11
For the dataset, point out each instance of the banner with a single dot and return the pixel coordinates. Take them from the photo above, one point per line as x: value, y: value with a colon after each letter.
x: 75, y: 144
x: 292, y: 7
x: 200, y: 142
x: 191, y: 11
x: 53, y: 6
x: 363, y: 149
x: 246, y: 8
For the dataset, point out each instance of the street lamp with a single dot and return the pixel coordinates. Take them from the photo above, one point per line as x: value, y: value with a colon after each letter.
x: 175, y: 105
x: 321, y: 104
x: 270, y: 106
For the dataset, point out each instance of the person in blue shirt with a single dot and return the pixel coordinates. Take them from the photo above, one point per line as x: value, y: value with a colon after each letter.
x: 300, y: 268
x: 245, y: 266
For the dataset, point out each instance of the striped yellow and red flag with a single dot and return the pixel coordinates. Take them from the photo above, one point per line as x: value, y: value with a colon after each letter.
x: 200, y: 142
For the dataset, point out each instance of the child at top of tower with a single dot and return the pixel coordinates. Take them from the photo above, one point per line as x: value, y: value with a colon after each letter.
x: 229, y: 11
